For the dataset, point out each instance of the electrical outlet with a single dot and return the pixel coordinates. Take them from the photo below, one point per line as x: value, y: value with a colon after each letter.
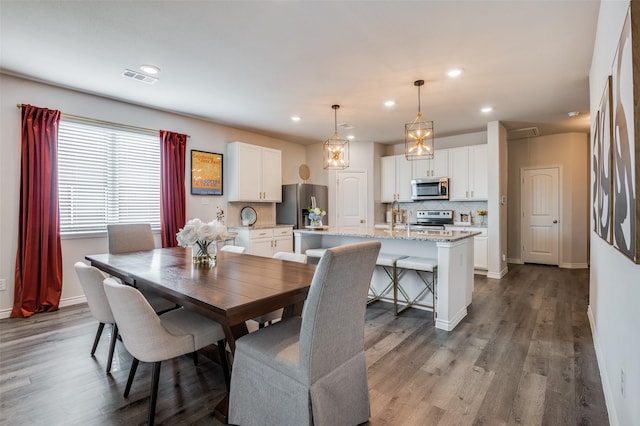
x: 3, y: 284
x: 622, y: 382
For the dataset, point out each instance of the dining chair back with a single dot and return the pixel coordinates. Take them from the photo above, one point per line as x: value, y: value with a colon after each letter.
x: 233, y: 249
x: 311, y: 370
x: 291, y: 257
x: 91, y: 282
x: 154, y: 338
x: 130, y: 237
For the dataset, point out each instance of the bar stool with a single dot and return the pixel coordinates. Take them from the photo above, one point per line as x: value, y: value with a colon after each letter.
x: 422, y: 266
x: 388, y: 263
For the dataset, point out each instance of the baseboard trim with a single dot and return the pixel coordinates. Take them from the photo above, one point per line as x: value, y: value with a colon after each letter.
x: 517, y: 261
x: 575, y: 265
x: 455, y: 320
x: 5, y: 313
x: 604, y: 378
x: 498, y: 275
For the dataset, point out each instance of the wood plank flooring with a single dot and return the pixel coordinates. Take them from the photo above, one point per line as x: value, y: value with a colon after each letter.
x: 524, y: 355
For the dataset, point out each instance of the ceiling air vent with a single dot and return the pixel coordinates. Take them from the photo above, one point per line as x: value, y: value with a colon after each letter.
x: 526, y: 132
x: 346, y: 126
x: 138, y: 76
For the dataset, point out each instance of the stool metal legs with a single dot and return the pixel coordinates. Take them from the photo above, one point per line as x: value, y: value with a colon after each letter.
x: 373, y: 295
x: 430, y: 286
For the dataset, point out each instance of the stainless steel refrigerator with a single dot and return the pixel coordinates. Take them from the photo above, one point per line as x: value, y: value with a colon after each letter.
x: 296, y: 199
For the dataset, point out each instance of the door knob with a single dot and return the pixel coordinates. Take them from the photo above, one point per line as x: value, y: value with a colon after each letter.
x: 555, y: 221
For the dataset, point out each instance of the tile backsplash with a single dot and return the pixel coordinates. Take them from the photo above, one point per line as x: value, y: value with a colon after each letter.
x: 265, y: 213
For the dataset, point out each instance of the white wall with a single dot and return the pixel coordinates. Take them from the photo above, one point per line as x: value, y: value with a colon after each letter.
x: 614, y: 280
x: 570, y: 152
x: 205, y: 136
x: 497, y: 180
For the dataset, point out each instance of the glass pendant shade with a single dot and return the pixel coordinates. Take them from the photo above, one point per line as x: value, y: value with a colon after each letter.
x: 419, y: 135
x: 335, y: 150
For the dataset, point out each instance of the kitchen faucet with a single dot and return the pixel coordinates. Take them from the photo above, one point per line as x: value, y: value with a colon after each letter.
x: 394, y: 210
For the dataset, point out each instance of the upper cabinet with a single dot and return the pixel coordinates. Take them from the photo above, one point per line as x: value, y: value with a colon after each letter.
x: 396, y: 179
x: 468, y: 173
x: 438, y: 166
x: 255, y: 173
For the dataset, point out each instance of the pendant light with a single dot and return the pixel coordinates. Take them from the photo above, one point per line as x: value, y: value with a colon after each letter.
x: 418, y: 135
x: 336, y: 149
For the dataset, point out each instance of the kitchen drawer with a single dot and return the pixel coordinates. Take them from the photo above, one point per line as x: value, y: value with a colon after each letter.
x: 260, y: 233
x: 282, y: 232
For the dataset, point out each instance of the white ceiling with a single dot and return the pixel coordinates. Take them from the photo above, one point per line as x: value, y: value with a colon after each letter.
x: 254, y: 64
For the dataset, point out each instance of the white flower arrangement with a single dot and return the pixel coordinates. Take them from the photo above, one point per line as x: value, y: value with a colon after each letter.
x: 316, y: 213
x: 201, y: 234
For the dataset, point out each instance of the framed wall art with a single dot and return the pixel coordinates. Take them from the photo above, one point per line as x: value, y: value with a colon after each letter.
x: 605, y: 166
x: 626, y: 149
x: 206, y: 173
x: 595, y: 173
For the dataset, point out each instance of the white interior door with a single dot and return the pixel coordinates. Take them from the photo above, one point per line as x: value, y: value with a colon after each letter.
x: 351, y: 205
x: 540, y: 216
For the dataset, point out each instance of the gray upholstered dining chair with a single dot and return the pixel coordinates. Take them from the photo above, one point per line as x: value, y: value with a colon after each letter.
x: 311, y: 370
x: 91, y: 281
x: 131, y: 237
x: 155, y: 338
x: 266, y: 319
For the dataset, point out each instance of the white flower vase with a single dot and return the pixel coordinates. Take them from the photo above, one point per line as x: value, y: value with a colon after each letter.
x: 315, y: 221
x: 205, y: 253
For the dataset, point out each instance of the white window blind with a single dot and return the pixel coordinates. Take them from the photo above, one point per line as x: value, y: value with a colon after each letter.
x: 106, y: 175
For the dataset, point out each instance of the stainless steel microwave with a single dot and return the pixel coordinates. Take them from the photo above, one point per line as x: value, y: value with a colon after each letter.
x: 430, y: 189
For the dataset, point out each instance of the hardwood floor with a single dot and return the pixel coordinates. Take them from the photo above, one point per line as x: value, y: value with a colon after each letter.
x: 523, y: 355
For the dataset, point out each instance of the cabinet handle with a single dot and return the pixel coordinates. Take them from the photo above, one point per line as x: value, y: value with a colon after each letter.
x: 467, y: 194
x: 471, y: 194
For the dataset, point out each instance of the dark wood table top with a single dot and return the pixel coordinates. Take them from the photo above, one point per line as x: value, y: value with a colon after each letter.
x: 238, y: 288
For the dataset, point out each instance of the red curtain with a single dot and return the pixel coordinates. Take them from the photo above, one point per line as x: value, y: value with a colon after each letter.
x: 38, y: 279
x: 172, y: 189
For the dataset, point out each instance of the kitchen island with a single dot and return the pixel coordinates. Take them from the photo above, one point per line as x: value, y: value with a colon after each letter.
x: 453, y: 249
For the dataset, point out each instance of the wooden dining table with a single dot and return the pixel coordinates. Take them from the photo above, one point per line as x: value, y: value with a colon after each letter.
x: 238, y: 288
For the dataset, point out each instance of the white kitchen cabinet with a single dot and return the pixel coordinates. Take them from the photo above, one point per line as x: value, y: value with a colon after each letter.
x: 480, y: 249
x: 468, y: 173
x: 480, y: 246
x: 265, y: 241
x: 396, y: 175
x: 438, y: 166
x: 255, y: 173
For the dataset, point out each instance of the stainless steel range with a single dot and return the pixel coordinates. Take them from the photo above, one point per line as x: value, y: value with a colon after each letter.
x: 432, y: 219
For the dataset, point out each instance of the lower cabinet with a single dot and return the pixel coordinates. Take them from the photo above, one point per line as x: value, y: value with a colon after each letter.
x: 480, y: 246
x: 265, y: 241
x: 480, y: 251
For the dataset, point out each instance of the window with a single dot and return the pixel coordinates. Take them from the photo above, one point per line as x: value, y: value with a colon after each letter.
x: 106, y: 174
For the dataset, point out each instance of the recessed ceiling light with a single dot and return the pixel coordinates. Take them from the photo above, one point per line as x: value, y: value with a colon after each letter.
x: 350, y: 137
x: 295, y: 118
x: 486, y: 109
x: 573, y: 113
x: 150, y: 69
x: 454, y: 73
x: 389, y: 103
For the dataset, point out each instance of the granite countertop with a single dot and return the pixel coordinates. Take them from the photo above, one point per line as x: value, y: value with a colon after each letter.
x: 424, y: 235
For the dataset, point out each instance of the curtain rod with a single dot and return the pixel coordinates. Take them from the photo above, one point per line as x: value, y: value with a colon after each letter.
x: 111, y: 123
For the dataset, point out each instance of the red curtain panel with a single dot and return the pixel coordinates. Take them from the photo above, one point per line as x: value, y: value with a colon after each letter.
x: 38, y: 278
x: 172, y: 189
